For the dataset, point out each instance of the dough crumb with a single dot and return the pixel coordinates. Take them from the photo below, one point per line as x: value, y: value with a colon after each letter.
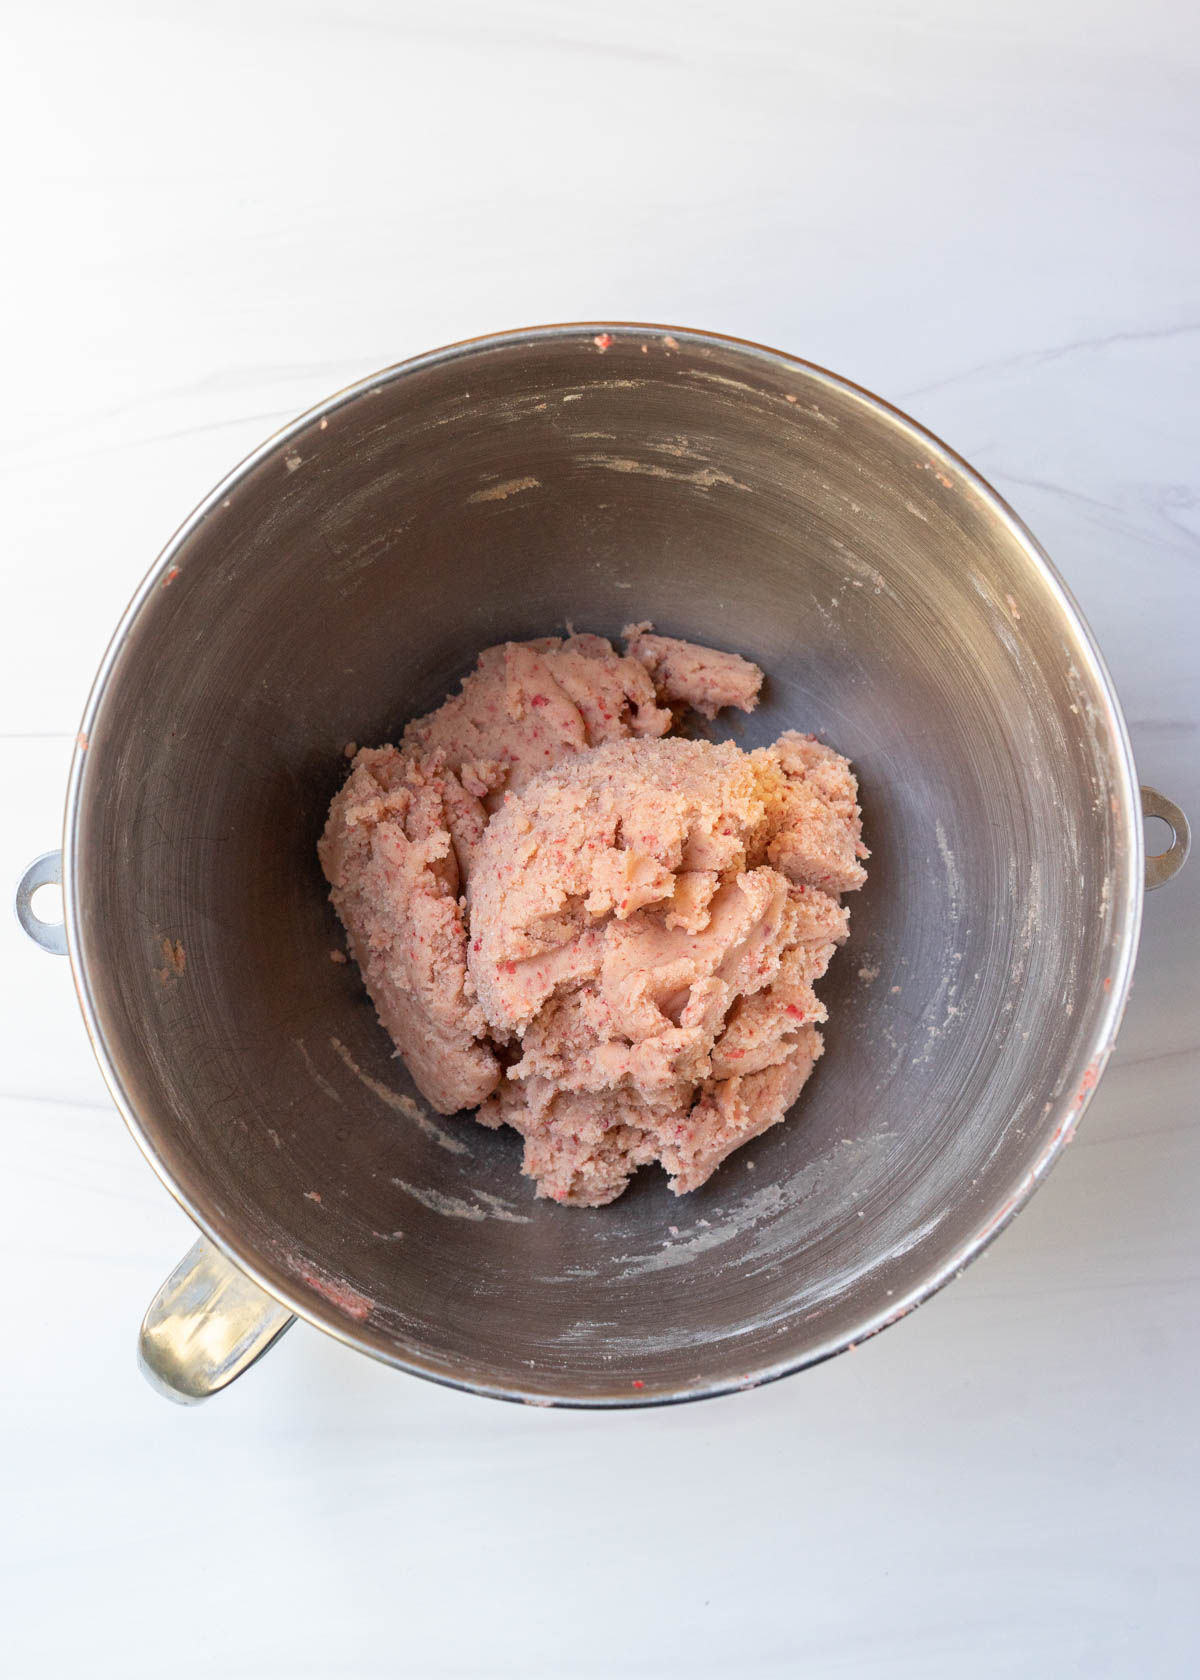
x: 174, y: 962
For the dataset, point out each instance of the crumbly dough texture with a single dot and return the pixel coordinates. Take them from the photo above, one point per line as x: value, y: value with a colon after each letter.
x: 603, y: 938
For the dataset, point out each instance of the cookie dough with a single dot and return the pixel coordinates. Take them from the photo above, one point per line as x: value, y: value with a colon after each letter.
x: 603, y: 938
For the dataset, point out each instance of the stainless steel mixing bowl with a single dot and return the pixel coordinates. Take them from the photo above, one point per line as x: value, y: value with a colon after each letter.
x: 344, y: 578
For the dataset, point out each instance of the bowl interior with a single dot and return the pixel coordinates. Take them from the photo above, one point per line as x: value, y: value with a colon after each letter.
x: 345, y: 580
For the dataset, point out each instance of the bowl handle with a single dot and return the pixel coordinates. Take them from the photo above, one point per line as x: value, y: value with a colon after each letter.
x: 1161, y: 868
x: 45, y: 871
x: 207, y: 1324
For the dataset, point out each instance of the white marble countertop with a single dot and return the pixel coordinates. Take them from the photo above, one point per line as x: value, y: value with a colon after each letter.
x: 219, y: 213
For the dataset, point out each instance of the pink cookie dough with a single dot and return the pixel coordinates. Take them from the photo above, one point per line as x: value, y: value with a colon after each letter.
x: 603, y: 938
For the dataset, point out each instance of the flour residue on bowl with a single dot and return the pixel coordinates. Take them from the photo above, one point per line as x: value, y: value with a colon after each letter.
x: 704, y: 478
x: 317, y: 1077
x: 402, y: 1104
x: 501, y: 492
x: 454, y: 1207
x: 841, y: 1162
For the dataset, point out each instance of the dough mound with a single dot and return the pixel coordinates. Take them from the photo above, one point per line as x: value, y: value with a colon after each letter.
x: 602, y: 938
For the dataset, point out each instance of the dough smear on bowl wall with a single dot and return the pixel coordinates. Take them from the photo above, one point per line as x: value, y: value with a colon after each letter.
x: 602, y: 937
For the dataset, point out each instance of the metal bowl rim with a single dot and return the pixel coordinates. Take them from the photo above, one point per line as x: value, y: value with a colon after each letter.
x: 1067, y: 1112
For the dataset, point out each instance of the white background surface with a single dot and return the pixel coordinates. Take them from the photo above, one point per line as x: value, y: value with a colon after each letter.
x: 219, y: 213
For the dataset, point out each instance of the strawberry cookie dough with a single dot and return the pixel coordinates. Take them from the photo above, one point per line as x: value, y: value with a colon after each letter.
x: 603, y: 938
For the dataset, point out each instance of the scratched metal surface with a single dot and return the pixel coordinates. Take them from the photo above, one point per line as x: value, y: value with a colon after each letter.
x: 342, y: 582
